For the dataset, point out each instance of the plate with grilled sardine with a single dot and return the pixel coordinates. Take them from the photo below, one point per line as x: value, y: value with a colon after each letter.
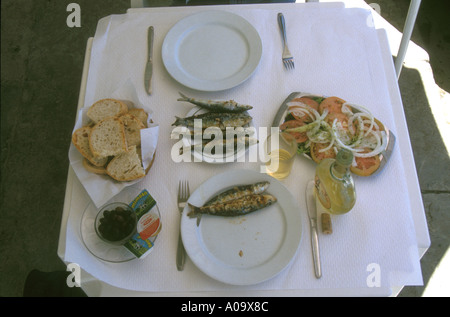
x: 241, y: 227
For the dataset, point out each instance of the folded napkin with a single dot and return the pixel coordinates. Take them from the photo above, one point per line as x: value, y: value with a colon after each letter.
x: 336, y: 53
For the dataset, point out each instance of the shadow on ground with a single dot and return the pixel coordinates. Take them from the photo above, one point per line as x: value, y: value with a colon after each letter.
x: 432, y: 162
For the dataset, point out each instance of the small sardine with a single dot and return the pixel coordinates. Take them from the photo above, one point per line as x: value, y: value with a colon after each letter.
x: 217, y: 106
x: 236, y: 207
x: 233, y: 143
x: 212, y: 119
x: 238, y: 131
x: 238, y: 192
x: 212, y: 145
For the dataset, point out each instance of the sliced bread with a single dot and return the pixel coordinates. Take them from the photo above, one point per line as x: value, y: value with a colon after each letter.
x: 140, y: 114
x: 107, y: 137
x: 80, y: 139
x: 133, y: 128
x: 126, y: 166
x: 92, y: 168
x: 105, y: 108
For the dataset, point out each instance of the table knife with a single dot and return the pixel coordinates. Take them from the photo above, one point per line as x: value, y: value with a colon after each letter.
x: 312, y: 213
x: 149, y: 67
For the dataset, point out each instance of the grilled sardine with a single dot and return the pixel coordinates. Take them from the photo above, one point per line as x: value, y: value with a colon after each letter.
x: 217, y: 106
x: 238, y: 192
x: 227, y: 146
x: 236, y: 207
x: 212, y: 119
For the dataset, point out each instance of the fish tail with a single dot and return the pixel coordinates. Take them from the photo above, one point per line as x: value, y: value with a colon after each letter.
x: 178, y: 121
x: 183, y: 97
x: 199, y: 218
x: 194, y: 211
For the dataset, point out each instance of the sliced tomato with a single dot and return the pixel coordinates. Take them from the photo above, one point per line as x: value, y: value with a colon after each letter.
x: 297, y: 114
x: 333, y: 104
x: 319, y: 156
x: 342, y: 118
x: 300, y: 137
x: 307, y: 101
x: 366, y: 166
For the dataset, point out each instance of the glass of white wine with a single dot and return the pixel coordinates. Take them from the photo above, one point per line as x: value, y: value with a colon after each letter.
x: 280, y: 149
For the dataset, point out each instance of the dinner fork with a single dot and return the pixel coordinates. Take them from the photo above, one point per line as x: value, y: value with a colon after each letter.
x: 183, y: 195
x: 288, y: 59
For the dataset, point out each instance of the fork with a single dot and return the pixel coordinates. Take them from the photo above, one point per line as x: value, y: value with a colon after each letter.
x: 183, y: 195
x: 288, y: 59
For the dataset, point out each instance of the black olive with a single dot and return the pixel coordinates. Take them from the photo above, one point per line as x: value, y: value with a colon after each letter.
x: 116, y: 224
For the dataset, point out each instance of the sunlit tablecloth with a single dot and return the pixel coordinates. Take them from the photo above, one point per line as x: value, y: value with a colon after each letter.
x: 337, y: 53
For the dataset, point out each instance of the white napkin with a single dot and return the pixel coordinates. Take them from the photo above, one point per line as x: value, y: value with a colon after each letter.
x: 102, y: 188
x: 336, y: 53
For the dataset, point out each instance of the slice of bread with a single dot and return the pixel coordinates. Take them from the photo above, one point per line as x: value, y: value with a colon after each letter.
x: 126, y: 166
x: 105, y: 108
x: 140, y: 114
x: 133, y: 128
x: 92, y: 168
x: 107, y: 137
x: 80, y: 139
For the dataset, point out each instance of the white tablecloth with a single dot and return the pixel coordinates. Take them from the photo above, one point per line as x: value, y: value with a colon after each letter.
x: 337, y: 53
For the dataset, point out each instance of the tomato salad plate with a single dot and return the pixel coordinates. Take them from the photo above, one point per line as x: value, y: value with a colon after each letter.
x: 323, y: 125
x: 246, y: 249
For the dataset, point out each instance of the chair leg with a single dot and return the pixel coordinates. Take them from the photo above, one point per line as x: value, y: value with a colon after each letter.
x: 407, y: 32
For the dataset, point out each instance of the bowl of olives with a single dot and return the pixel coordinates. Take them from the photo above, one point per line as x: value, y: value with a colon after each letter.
x: 116, y: 223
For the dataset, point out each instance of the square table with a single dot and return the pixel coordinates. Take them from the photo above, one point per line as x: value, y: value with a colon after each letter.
x: 266, y: 89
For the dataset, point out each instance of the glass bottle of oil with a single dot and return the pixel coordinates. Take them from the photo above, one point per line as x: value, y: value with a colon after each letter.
x: 334, y: 184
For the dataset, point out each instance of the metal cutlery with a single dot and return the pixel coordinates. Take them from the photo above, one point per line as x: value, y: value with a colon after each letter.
x: 288, y: 59
x: 149, y: 66
x: 183, y: 196
x: 312, y: 213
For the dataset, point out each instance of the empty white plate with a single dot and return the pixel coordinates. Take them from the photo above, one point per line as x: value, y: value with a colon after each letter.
x: 212, y: 50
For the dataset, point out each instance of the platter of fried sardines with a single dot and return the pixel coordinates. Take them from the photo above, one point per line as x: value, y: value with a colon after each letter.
x: 241, y: 227
x: 218, y: 131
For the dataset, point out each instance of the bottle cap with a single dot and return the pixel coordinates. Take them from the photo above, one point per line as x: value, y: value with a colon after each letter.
x: 344, y: 157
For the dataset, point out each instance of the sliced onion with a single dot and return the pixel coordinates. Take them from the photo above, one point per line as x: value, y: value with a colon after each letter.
x: 333, y: 139
x: 313, y: 112
x: 361, y: 128
x: 371, y: 120
x: 324, y: 114
x: 336, y: 135
x: 378, y: 149
x: 346, y: 109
